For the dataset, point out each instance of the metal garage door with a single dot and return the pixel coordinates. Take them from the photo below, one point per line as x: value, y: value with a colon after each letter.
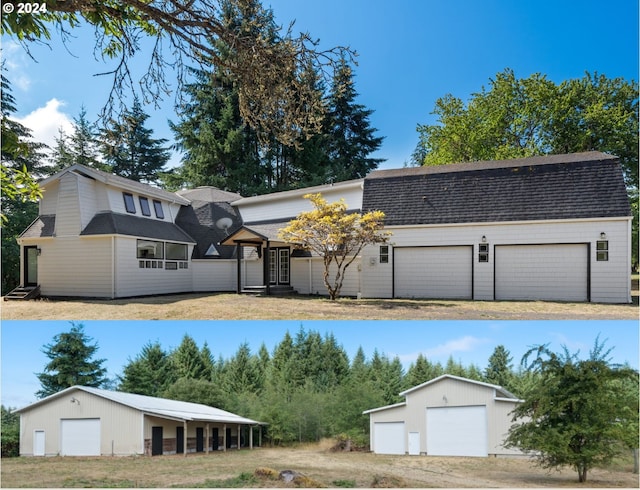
x: 80, y: 437
x: 542, y: 272
x: 389, y: 438
x: 457, y: 431
x: 433, y: 272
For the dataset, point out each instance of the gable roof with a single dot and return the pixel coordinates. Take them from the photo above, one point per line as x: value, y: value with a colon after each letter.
x: 500, y: 393
x: 209, y: 194
x: 573, y: 186
x: 161, y: 407
x: 117, y: 181
x: 275, y: 196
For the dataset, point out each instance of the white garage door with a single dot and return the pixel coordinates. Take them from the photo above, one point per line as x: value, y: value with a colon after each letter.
x: 433, y: 272
x: 457, y: 431
x: 542, y: 272
x: 80, y: 437
x: 389, y: 438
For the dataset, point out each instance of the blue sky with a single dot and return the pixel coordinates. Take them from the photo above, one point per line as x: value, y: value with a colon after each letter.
x: 411, y: 53
x: 467, y: 341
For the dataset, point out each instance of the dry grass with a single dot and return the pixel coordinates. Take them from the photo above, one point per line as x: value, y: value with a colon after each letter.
x: 235, y: 307
x: 318, y: 465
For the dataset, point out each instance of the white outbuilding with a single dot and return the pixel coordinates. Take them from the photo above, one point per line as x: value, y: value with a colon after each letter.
x: 85, y: 421
x: 447, y: 416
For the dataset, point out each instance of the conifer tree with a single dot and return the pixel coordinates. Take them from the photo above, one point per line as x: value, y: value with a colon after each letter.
x: 149, y: 373
x: 71, y: 363
x: 129, y: 148
x: 186, y: 360
x: 83, y: 143
x: 499, y: 371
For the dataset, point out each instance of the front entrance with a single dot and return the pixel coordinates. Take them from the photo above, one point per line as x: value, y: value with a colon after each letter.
x: 30, y: 266
x: 156, y: 441
x: 180, y: 440
x: 279, y: 266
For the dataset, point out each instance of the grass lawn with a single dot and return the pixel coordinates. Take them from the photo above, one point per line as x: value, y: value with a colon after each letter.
x: 228, y: 306
x: 321, y: 466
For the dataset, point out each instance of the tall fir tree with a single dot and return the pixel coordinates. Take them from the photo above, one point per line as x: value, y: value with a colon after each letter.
x: 351, y: 139
x: 71, y: 363
x: 129, y: 148
x: 499, y: 370
x: 149, y: 373
x: 83, y: 143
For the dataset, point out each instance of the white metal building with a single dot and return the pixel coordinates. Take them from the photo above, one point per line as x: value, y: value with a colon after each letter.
x: 447, y: 416
x: 84, y: 421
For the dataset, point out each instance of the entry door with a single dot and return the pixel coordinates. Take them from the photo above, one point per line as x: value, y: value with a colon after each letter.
x: 180, y: 440
x: 199, y: 439
x: 216, y: 438
x: 279, y: 266
x: 156, y: 441
x: 38, y: 443
x: 414, y: 443
x: 30, y: 266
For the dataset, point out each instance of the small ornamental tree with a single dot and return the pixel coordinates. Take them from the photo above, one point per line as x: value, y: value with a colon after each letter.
x: 578, y: 414
x: 335, y: 234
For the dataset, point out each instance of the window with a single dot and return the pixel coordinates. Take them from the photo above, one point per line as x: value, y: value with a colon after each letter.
x: 171, y: 266
x: 157, y: 206
x: 176, y: 251
x: 602, y: 250
x: 150, y: 250
x: 144, y: 206
x: 384, y: 254
x: 483, y: 252
x: 129, y: 203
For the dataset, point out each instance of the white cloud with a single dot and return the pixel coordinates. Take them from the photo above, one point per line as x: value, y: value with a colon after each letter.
x: 45, y: 122
x: 15, y: 58
x: 464, y: 344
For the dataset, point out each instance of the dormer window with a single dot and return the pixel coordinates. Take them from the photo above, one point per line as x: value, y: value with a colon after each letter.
x: 144, y: 206
x: 129, y: 203
x: 157, y: 206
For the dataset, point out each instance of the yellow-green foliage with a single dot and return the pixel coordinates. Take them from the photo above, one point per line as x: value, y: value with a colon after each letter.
x: 266, y: 473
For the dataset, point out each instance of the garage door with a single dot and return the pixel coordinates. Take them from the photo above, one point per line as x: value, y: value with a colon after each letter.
x: 457, y: 431
x: 80, y: 437
x: 389, y: 438
x: 433, y: 272
x: 542, y: 272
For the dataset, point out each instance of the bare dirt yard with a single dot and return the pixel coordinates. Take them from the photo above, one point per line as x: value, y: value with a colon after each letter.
x: 322, y: 468
x: 230, y: 306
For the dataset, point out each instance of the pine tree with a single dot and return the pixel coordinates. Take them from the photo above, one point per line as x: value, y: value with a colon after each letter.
x: 61, y: 156
x: 186, y: 360
x: 83, y: 143
x: 351, y: 137
x: 129, y: 148
x: 71, y: 363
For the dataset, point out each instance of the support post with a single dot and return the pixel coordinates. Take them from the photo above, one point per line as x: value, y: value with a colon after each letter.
x: 267, y: 269
x: 251, y: 437
x: 185, y: 438
x: 239, y: 437
x: 206, y: 439
x: 239, y: 267
x: 224, y: 431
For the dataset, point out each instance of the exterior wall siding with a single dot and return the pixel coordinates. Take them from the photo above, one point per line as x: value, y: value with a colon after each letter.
x: 214, y: 275
x: 290, y: 205
x: 131, y: 280
x: 307, y: 277
x: 610, y: 280
x: 68, y: 207
x: 120, y: 426
x: 74, y: 266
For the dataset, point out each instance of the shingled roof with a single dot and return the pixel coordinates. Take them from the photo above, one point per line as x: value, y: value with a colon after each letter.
x: 109, y: 223
x: 573, y: 186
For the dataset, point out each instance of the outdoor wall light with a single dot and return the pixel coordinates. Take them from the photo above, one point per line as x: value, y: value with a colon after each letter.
x: 39, y: 251
x: 444, y: 399
x: 603, y: 236
x: 484, y: 239
x: 75, y: 400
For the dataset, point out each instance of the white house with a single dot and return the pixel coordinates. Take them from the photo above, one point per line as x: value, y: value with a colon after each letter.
x: 447, y: 416
x: 84, y: 421
x: 553, y: 227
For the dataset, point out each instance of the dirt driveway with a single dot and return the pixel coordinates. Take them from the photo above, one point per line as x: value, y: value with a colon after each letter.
x: 237, y: 307
x: 325, y: 468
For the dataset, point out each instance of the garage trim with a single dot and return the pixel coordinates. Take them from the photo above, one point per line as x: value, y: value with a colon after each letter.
x: 588, y: 245
x: 393, y: 264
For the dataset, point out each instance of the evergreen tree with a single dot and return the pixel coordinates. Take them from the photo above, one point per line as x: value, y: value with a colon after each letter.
x: 241, y: 373
x: 186, y: 360
x: 83, y: 143
x: 350, y: 136
x: 129, y: 148
x: 419, y: 372
x: 71, y: 363
x: 499, y: 371
x: 61, y: 155
x: 10, y: 432
x: 149, y: 373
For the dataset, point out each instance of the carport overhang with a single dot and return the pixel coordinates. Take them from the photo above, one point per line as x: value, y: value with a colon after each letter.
x: 225, y: 423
